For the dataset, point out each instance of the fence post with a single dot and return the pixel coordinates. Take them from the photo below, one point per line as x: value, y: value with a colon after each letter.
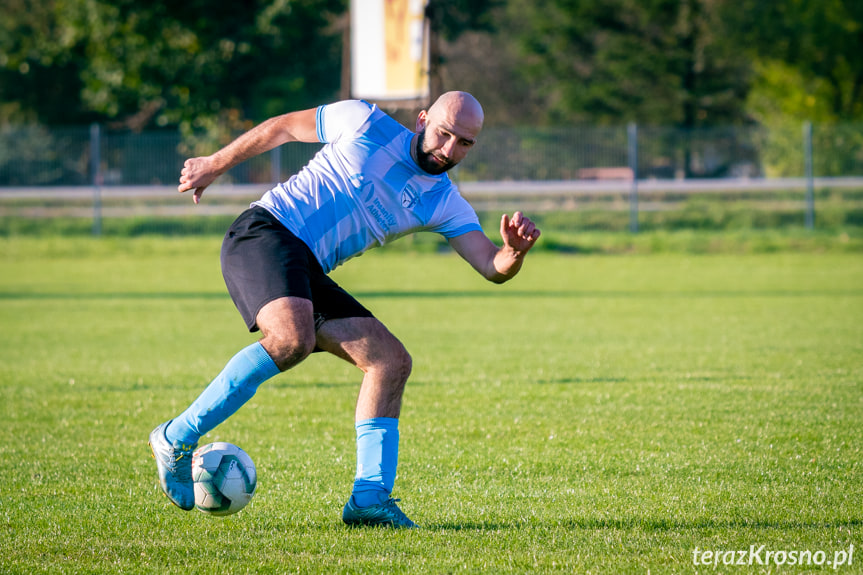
x: 95, y: 162
x: 632, y: 138
x: 810, y: 179
x: 276, y: 164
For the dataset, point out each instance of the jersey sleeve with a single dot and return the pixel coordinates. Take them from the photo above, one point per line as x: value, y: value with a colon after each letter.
x: 345, y: 117
x: 457, y: 217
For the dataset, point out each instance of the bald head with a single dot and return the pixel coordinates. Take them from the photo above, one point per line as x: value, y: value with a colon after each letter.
x: 446, y: 131
x: 459, y: 107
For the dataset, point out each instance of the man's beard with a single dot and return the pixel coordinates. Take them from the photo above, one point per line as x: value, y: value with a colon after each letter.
x: 425, y: 160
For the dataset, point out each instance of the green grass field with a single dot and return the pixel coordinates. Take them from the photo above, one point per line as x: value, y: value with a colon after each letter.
x: 599, y: 414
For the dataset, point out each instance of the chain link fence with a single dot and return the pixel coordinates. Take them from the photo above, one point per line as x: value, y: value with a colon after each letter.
x: 89, y: 179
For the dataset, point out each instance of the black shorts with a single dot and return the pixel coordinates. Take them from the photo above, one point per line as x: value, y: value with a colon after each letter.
x: 263, y: 261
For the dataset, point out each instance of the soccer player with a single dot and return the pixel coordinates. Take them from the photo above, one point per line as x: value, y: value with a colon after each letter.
x: 372, y: 182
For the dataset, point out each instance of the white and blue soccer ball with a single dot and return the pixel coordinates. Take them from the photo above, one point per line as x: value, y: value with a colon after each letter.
x: 225, y: 478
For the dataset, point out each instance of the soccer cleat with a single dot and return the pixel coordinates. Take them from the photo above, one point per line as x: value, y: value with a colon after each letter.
x: 386, y: 513
x: 174, y: 463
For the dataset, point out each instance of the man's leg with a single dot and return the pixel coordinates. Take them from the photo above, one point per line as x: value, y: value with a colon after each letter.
x: 289, y: 336
x: 288, y: 329
x: 386, y: 365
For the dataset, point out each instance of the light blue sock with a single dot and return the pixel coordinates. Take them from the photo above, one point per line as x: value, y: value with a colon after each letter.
x: 236, y: 385
x: 377, y: 459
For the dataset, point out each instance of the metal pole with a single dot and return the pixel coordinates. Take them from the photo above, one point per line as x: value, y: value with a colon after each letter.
x: 810, y: 179
x: 276, y: 164
x: 95, y: 161
x: 632, y: 137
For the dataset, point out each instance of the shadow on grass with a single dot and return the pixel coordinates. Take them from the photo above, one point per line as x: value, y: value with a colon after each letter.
x: 667, y: 524
x: 112, y: 295
x: 469, y: 526
x: 287, y: 383
x: 606, y: 294
x: 578, y: 380
x: 431, y: 294
x: 628, y: 524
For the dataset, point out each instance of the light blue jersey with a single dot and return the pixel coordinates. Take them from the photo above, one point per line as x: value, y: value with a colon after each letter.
x: 363, y: 189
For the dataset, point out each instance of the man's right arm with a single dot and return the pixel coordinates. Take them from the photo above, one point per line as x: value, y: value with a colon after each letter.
x: 198, y: 173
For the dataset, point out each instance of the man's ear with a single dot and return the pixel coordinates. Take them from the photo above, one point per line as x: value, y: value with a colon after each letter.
x: 422, y: 120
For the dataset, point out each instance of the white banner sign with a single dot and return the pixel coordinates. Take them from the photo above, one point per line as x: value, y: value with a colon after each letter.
x: 389, y: 50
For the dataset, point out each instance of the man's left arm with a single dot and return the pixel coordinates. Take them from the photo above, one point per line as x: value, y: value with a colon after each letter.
x: 498, y: 265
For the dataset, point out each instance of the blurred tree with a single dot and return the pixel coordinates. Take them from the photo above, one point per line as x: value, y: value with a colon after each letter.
x: 806, y: 68
x: 145, y: 63
x: 39, y: 67
x: 215, y: 66
x: 452, y: 18
x: 807, y: 54
x: 615, y: 61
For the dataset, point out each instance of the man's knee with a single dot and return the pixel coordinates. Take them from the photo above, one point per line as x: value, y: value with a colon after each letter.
x: 368, y: 344
x: 397, y: 362
x: 385, y: 356
x: 288, y: 348
x: 289, y: 330
x: 405, y: 361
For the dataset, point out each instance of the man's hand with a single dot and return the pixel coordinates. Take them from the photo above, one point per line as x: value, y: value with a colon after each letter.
x: 519, y: 233
x: 197, y: 174
x: 498, y: 264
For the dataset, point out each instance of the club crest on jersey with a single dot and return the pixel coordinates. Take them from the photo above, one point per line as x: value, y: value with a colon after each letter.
x: 409, y: 197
